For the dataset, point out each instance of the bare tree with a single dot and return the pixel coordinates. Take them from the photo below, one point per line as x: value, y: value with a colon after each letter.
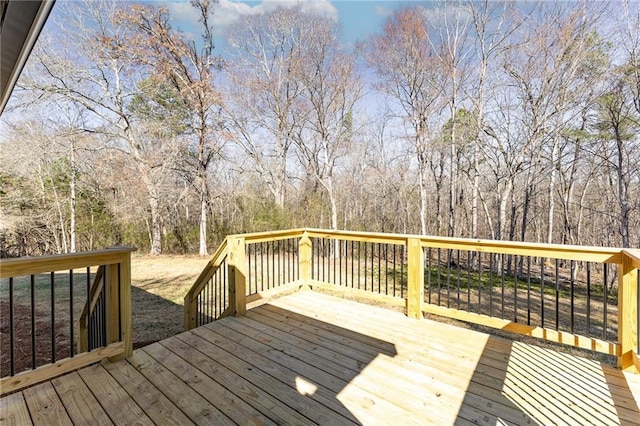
x: 403, y: 58
x: 332, y: 89
x: 92, y: 72
x: 266, y: 72
x: 178, y: 68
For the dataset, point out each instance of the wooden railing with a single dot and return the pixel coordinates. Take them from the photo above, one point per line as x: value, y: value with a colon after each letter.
x: 580, y: 296
x: 243, y: 269
x: 41, y: 299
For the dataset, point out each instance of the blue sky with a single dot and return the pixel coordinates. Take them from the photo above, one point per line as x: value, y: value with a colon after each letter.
x: 359, y: 18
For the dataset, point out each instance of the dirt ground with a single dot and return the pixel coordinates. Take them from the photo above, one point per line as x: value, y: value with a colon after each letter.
x: 158, y: 288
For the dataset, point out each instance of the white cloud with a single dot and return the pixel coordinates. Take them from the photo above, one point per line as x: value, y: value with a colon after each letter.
x: 383, y: 11
x: 227, y: 13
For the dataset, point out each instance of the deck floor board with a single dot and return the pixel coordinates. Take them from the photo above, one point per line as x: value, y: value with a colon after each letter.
x: 310, y: 358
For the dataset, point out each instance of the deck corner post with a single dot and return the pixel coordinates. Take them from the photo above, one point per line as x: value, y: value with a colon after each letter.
x: 126, y: 324
x: 415, y: 278
x: 628, y: 314
x: 237, y: 275
x: 305, y: 250
x: 189, y: 312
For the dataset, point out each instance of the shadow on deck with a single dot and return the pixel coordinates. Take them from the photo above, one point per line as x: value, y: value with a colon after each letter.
x: 310, y: 358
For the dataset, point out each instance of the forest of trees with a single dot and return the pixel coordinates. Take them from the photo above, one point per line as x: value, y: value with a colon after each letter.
x: 498, y: 120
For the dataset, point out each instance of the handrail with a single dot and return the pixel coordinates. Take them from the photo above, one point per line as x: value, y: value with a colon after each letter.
x: 633, y: 255
x: 209, y: 269
x: 410, y: 284
x: 569, y: 252
x: 94, y: 293
x: 212, y: 266
x: 112, y: 280
x: 28, y: 265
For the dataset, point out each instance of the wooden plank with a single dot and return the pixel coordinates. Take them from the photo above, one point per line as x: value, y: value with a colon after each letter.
x: 80, y: 404
x: 553, y: 360
x: 119, y: 406
x: 409, y: 372
x: 349, y: 365
x: 391, y: 372
x: 360, y: 293
x: 256, y: 331
x: 49, y: 371
x: 223, y: 399
x: 45, y: 406
x: 60, y: 262
x: 281, y: 372
x: 316, y: 406
x: 14, y: 411
x: 361, y: 402
x: 303, y: 368
x: 151, y: 364
x: 153, y: 402
x: 352, y: 349
x: 442, y: 365
x: 272, y: 293
x: 244, y: 399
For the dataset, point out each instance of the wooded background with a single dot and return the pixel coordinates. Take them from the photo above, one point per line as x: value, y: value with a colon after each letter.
x: 514, y: 121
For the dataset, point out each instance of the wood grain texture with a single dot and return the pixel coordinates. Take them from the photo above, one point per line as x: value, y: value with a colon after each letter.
x: 49, y: 371
x: 117, y: 403
x: 45, y: 406
x: 14, y: 411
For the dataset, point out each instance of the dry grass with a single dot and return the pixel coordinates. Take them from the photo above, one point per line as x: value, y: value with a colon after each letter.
x: 159, y: 284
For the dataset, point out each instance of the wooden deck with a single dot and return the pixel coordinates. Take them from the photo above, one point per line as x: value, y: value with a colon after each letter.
x: 310, y: 358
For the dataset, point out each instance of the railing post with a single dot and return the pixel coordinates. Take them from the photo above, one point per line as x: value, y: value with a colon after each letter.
x: 126, y: 323
x: 118, y: 298
x: 415, y: 278
x: 628, y: 314
x: 189, y: 312
x: 237, y: 275
x: 305, y: 251
x: 112, y: 303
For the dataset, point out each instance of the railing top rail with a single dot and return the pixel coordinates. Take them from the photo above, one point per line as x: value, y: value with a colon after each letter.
x: 634, y: 255
x: 559, y: 251
x: 256, y: 237
x: 208, y: 270
x: 371, y: 237
x: 60, y: 262
x: 587, y: 253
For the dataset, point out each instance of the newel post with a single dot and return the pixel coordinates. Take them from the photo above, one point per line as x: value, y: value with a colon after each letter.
x: 118, y: 298
x: 305, y: 250
x: 628, y: 314
x: 237, y: 262
x: 415, y: 278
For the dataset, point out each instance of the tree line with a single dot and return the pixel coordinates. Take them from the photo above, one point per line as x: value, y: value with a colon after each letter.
x: 476, y: 119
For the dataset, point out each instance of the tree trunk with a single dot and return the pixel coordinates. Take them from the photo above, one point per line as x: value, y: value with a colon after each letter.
x: 204, y: 191
x: 72, y: 201
x: 551, y: 190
